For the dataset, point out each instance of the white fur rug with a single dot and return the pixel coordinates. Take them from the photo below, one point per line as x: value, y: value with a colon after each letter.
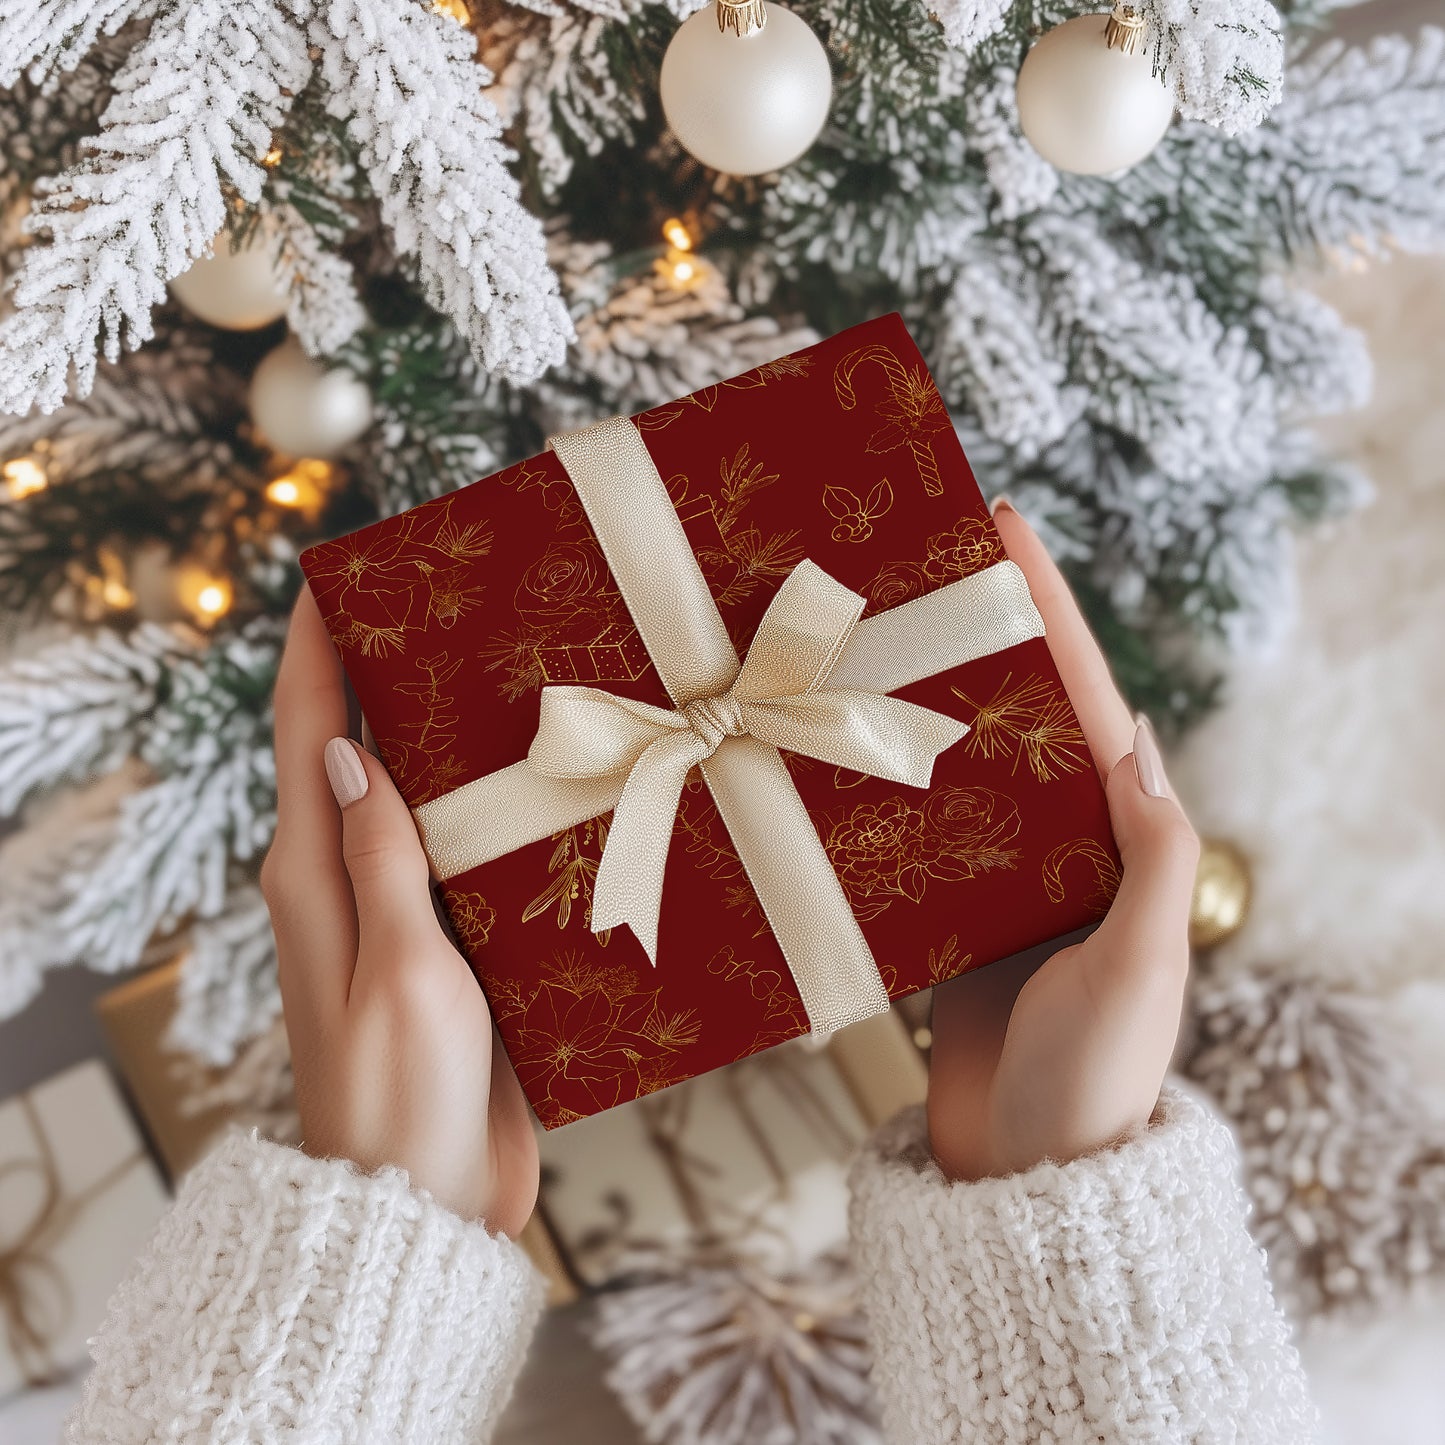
x: 1328, y: 767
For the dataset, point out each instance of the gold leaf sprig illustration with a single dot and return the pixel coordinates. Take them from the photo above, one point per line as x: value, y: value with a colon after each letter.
x: 574, y: 872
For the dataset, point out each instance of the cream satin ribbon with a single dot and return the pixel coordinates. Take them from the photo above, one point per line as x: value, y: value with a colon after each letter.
x: 815, y: 682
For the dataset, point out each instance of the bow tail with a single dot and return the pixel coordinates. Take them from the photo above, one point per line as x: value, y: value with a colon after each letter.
x: 628, y: 887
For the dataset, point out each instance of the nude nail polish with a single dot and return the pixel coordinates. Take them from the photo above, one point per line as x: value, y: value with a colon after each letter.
x: 345, y: 772
x: 999, y: 504
x: 1148, y: 763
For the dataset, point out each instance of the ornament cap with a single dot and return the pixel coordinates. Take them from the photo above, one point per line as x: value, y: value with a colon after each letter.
x: 1125, y: 30
x: 742, y: 17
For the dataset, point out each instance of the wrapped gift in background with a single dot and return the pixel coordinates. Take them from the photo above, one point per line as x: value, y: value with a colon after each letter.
x: 751, y: 1158
x: 79, y: 1197
x: 452, y: 618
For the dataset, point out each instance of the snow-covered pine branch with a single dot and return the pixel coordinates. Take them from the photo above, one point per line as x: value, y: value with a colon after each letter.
x: 644, y: 339
x: 211, y: 804
x: 73, y: 709
x: 1223, y: 59
x: 158, y: 415
x: 558, y: 84
x: 407, y: 82
x: 193, y: 112
x: 1359, y: 146
x: 228, y: 992
x: 41, y: 36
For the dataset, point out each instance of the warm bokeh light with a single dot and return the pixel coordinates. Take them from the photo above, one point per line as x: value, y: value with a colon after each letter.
x: 272, y: 158
x: 457, y: 9
x: 302, y: 489
x: 676, y: 234
x: 683, y: 270
x: 24, y: 477
x: 205, y: 594
x: 116, y: 595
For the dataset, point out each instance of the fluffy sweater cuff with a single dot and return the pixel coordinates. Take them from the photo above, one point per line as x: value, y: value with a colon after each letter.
x: 1118, y: 1297
x: 291, y: 1298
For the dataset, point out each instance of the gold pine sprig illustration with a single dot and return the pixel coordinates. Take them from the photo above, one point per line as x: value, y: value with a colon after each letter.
x: 1030, y: 720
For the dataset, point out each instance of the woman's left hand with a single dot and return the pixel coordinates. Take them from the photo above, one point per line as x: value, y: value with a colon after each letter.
x: 396, y: 1058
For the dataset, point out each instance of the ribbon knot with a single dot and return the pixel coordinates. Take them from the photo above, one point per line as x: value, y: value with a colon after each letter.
x: 716, y: 718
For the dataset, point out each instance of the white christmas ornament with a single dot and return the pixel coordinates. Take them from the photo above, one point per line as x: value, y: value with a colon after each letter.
x: 240, y: 290
x: 303, y: 408
x: 1088, y: 99
x: 745, y: 88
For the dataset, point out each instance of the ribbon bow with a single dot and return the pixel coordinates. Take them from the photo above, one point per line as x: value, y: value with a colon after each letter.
x: 779, y: 696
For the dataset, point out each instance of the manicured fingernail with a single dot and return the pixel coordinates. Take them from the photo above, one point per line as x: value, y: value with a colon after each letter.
x: 1147, y: 760
x: 1001, y: 503
x: 345, y: 772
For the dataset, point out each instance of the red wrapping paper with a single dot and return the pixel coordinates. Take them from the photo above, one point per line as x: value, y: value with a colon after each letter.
x: 451, y: 617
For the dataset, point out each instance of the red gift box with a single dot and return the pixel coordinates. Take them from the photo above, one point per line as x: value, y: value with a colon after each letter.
x: 452, y: 617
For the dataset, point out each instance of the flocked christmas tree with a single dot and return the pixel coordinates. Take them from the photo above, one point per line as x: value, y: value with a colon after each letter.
x: 477, y: 212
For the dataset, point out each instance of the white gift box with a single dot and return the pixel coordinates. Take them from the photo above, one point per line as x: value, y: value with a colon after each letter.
x: 757, y: 1151
x: 79, y: 1197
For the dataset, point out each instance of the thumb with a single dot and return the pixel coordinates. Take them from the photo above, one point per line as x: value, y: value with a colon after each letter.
x: 1149, y: 918
x: 390, y: 877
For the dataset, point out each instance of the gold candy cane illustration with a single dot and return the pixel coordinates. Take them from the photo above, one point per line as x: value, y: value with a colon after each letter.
x: 911, y: 411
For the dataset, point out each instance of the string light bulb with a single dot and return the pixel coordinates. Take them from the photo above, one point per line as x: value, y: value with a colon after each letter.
x: 676, y: 234
x: 206, y: 595
x: 272, y: 158
x: 303, y: 488
x: 24, y: 477
x: 457, y: 9
x: 683, y: 269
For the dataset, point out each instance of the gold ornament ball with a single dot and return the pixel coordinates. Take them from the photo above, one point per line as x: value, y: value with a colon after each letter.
x: 1222, y: 889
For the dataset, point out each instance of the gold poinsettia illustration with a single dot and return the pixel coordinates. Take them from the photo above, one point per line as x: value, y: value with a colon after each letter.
x: 587, y: 1033
x: 1030, y: 720
x: 912, y: 411
x: 892, y: 849
x: 387, y: 581
x: 574, y: 869
x: 1104, y: 872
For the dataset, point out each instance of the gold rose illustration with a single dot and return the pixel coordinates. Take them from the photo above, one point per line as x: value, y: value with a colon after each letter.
x: 969, y: 546
x: 892, y: 849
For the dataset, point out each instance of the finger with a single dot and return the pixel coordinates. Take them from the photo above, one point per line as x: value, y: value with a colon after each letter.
x: 304, y: 878
x: 1103, y: 714
x: 1147, y: 928
x: 389, y: 874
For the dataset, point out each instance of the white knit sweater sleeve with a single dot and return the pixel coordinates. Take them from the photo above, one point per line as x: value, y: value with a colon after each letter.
x: 1118, y: 1298
x: 285, y: 1298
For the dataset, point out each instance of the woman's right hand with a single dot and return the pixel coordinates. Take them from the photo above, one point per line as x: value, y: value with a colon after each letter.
x: 1069, y: 1058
